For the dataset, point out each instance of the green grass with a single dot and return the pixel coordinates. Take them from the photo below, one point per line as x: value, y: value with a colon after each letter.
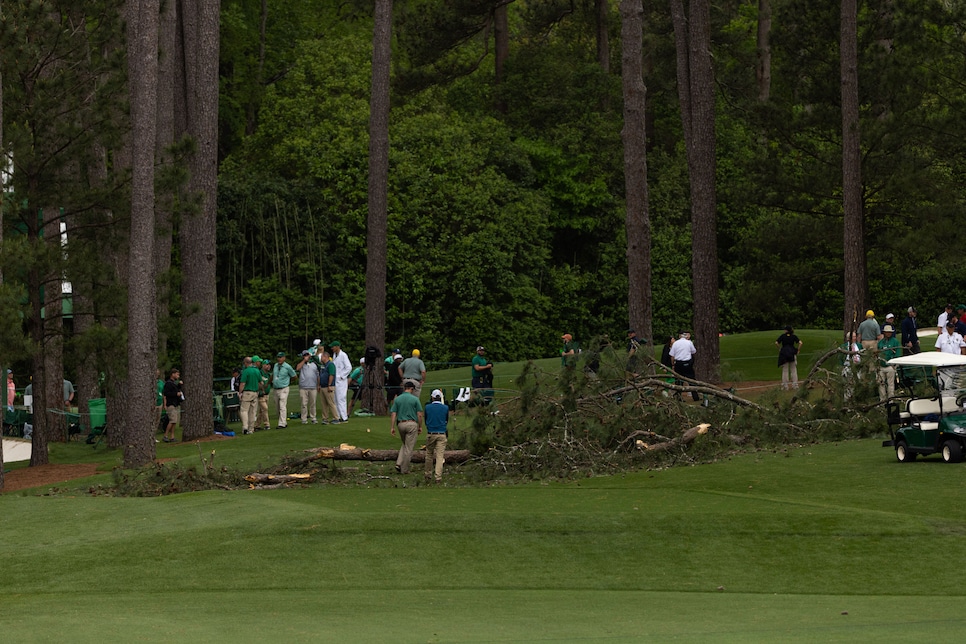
x: 763, y: 547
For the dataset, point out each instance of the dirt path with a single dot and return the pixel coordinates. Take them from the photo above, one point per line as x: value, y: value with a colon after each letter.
x: 45, y: 475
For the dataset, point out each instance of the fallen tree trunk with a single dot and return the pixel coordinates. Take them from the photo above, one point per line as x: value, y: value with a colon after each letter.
x: 262, y: 479
x: 358, y: 454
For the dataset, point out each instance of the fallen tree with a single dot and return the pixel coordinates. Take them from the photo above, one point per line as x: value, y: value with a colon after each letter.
x: 359, y: 454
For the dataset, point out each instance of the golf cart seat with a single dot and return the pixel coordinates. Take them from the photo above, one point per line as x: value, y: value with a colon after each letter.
x: 919, y: 409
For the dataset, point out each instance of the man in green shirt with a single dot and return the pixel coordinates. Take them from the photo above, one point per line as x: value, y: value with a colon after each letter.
x: 482, y: 370
x: 248, y: 392
x: 568, y: 355
x: 407, y: 413
x: 888, y: 347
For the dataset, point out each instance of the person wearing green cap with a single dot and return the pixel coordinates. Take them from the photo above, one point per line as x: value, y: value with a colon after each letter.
x: 248, y: 393
x: 282, y: 374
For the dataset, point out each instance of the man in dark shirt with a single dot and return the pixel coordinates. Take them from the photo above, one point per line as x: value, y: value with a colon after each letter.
x: 910, y: 337
x: 172, y: 403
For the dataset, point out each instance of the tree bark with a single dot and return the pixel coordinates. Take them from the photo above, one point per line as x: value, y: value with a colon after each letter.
x: 637, y: 220
x: 376, y: 247
x: 763, y: 61
x: 142, y: 39
x: 603, y: 38
x: 695, y: 74
x: 856, y: 282
x: 197, y: 234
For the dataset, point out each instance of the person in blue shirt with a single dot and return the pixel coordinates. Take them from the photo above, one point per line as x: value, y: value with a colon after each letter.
x: 437, y: 416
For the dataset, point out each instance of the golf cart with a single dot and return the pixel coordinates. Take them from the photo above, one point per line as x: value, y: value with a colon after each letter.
x: 932, y: 418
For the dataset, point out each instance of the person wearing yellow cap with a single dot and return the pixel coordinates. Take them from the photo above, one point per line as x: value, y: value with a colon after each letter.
x: 869, y: 332
x: 413, y: 370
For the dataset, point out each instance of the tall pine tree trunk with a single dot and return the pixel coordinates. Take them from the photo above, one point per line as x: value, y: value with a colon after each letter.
x: 199, y: 19
x: 373, y: 396
x: 695, y: 75
x: 637, y: 221
x: 142, y: 39
x: 603, y: 39
x: 763, y: 59
x: 856, y: 284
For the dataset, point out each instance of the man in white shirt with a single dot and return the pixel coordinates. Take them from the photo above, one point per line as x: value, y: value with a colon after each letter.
x: 343, y: 367
x: 943, y: 318
x: 949, y: 341
x: 682, y: 358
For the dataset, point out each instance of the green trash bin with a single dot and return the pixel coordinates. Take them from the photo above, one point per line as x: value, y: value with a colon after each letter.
x: 97, y: 408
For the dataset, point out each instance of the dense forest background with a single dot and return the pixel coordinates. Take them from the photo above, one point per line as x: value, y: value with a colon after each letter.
x: 506, y: 223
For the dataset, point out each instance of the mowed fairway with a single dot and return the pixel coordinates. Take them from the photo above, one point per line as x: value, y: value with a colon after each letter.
x: 821, y: 543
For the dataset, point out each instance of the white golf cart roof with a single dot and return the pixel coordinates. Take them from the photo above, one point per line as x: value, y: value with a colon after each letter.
x: 930, y: 359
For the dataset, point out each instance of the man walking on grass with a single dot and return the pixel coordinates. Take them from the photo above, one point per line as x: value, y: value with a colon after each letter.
x: 407, y: 414
x: 437, y: 415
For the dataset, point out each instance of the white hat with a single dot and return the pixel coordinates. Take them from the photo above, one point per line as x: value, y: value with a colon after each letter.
x: 437, y: 394
x: 397, y: 356
x: 316, y: 342
x: 890, y: 315
x: 362, y: 360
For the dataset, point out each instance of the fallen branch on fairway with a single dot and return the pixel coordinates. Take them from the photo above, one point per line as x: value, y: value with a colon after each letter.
x: 359, y: 454
x: 686, y: 438
x: 273, y: 481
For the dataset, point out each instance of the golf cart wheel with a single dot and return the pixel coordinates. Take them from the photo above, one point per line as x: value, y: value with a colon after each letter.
x: 952, y: 451
x: 903, y: 455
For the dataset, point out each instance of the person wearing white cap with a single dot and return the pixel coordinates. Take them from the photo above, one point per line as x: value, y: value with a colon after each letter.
x: 890, y: 319
x: 889, y: 348
x: 437, y: 415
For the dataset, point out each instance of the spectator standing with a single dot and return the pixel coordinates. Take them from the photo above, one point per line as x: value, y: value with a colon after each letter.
x: 869, y: 332
x: 329, y: 412
x: 682, y: 357
x: 309, y: 384
x: 943, y: 318
x: 788, y: 347
x: 173, y: 397
x: 406, y: 413
x: 235, y: 378
x: 282, y: 374
x: 888, y: 349
x: 890, y: 319
x: 482, y: 370
x: 959, y: 317
x: 437, y: 416
x: 910, y: 336
x: 414, y: 370
x: 949, y: 341
x: 568, y: 354
x: 68, y: 394
x: 248, y: 383
x: 355, y: 383
x: 11, y: 389
x: 343, y: 367
x: 394, y: 377
x: 264, y: 388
